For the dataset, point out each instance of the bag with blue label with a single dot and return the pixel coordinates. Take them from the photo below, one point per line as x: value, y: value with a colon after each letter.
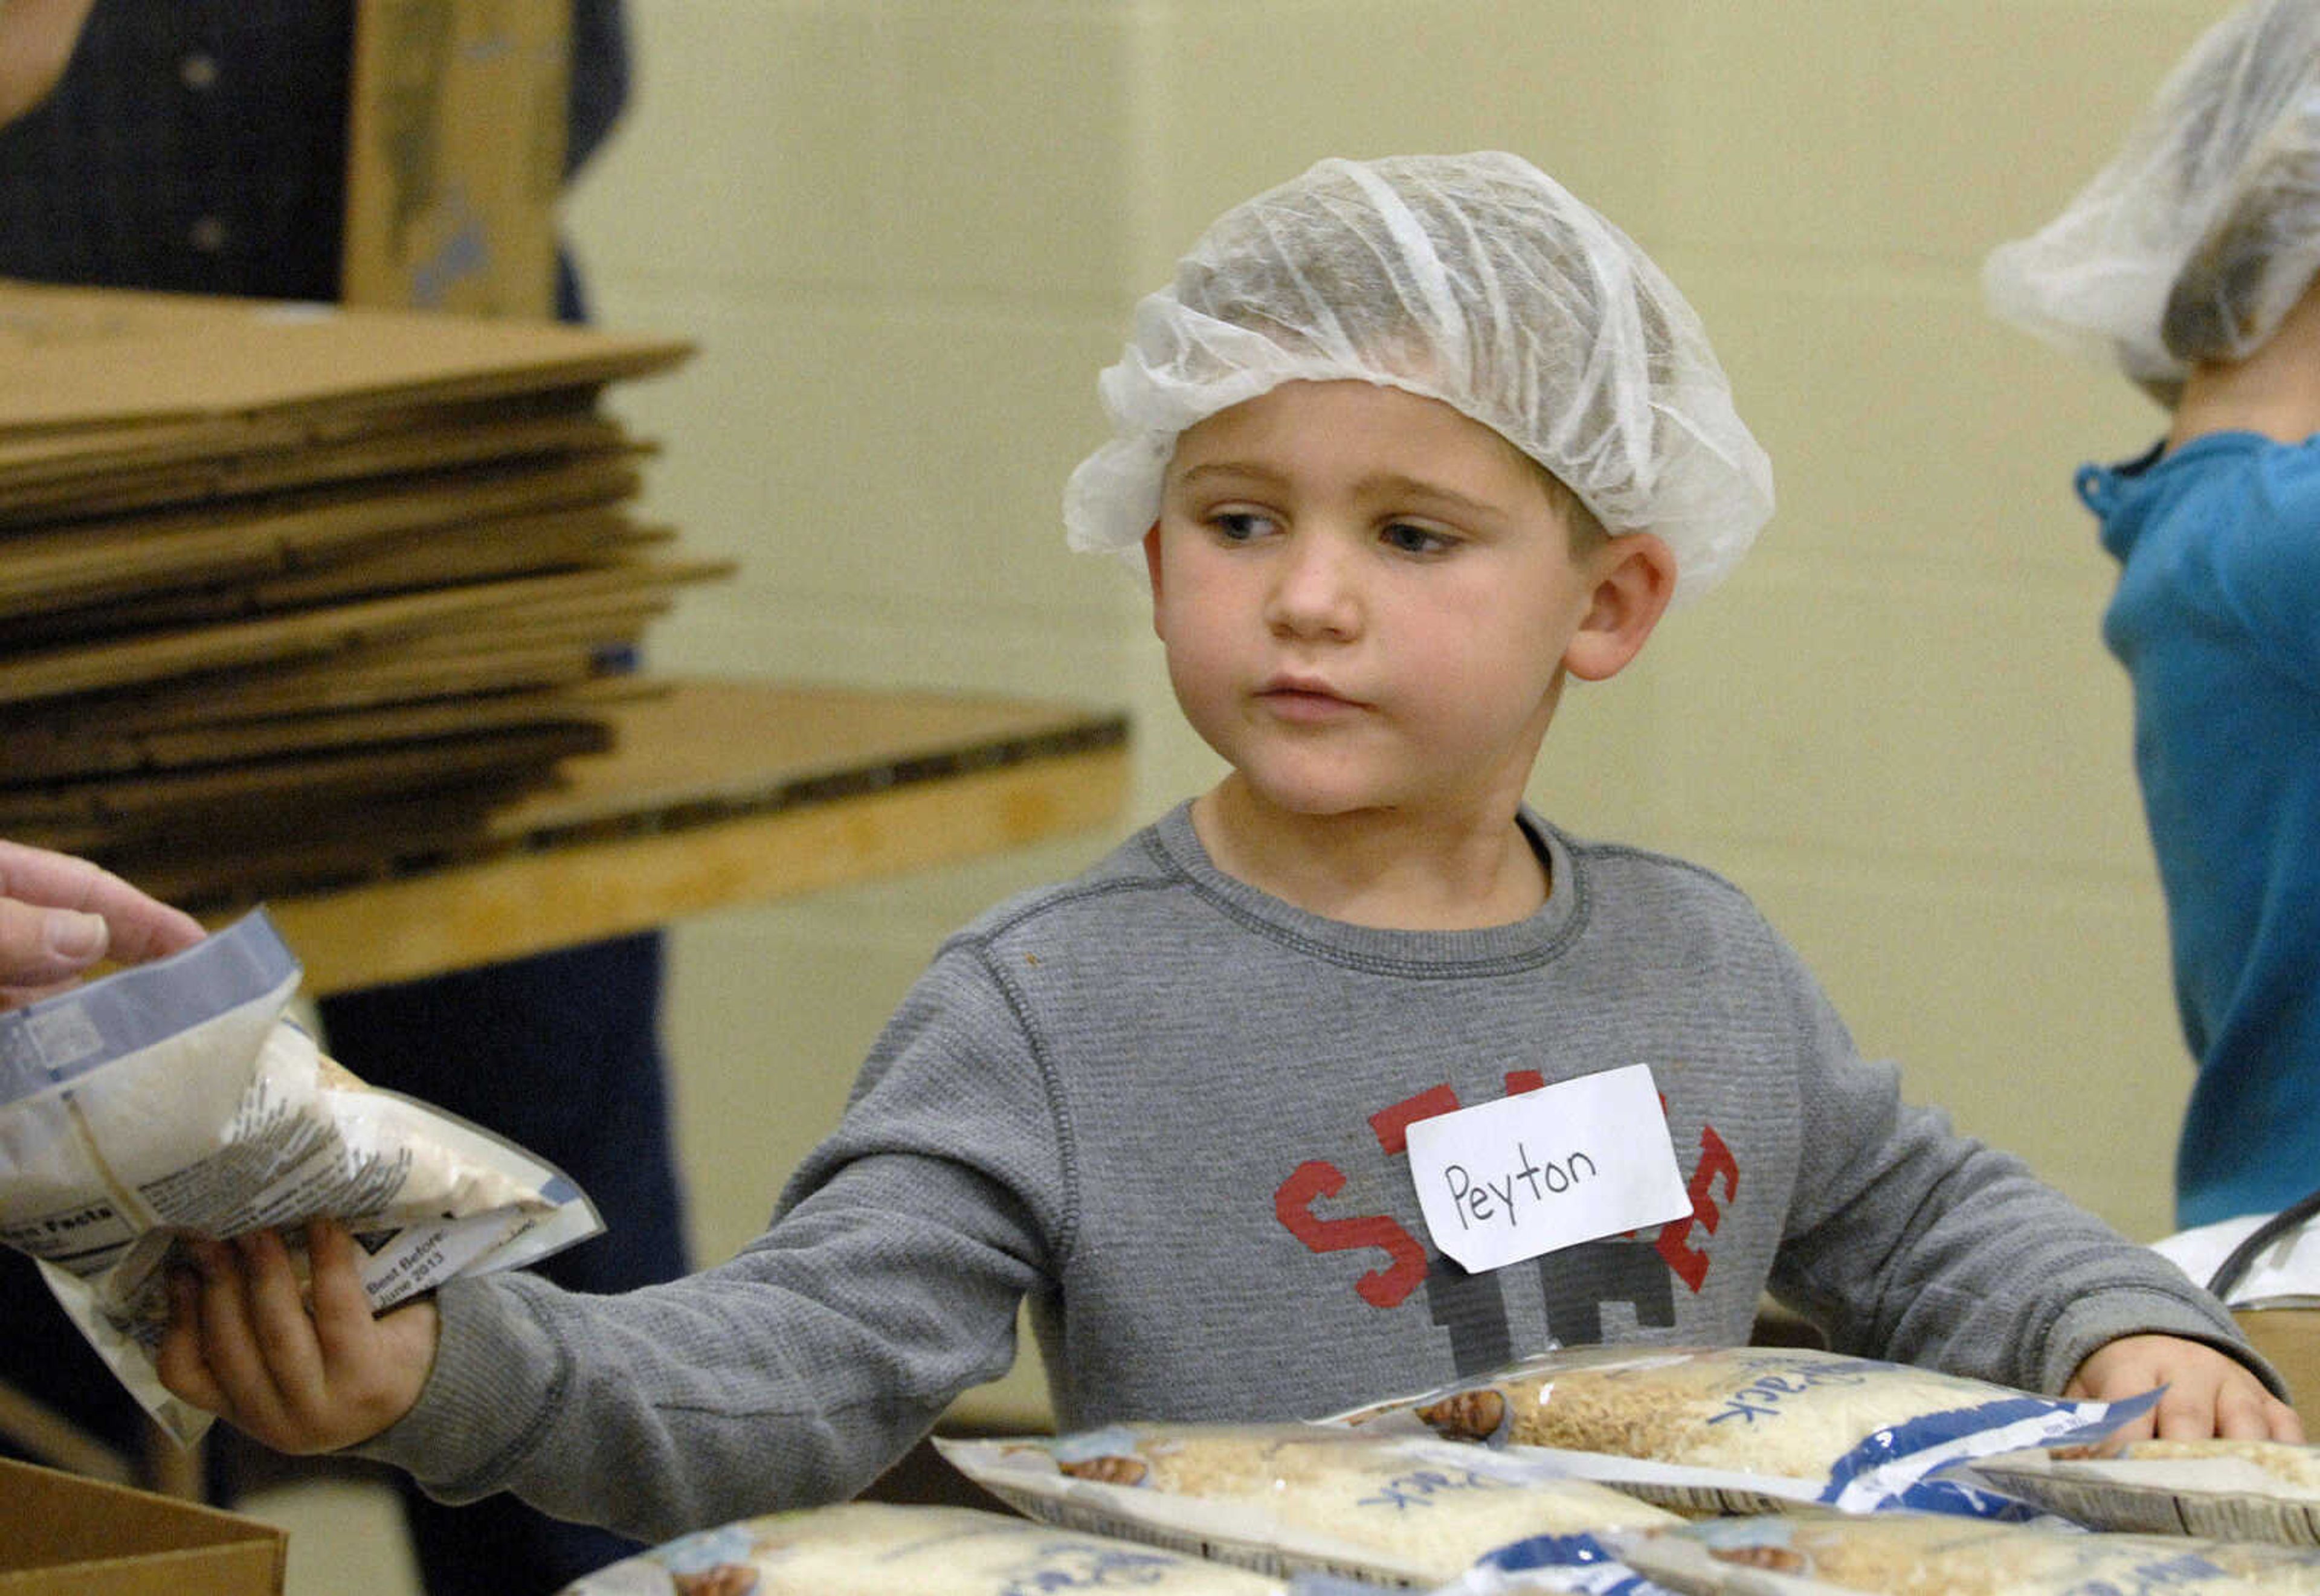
x: 1753, y: 1429
x: 1287, y: 1499
x: 179, y: 1097
x: 865, y: 1548
x: 2233, y: 1489
x: 1907, y: 1554
x: 1566, y: 1564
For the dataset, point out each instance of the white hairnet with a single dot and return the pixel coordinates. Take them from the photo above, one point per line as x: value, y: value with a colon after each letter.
x: 2205, y: 229
x: 1473, y: 279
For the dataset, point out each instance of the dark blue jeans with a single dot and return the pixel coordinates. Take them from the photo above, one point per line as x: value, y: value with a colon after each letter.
x: 559, y: 1053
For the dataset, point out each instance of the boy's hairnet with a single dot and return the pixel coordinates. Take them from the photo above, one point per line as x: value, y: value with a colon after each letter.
x: 2204, y: 230
x: 1473, y: 279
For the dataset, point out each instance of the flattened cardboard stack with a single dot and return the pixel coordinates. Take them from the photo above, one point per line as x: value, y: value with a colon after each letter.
x: 64, y: 1535
x: 292, y: 595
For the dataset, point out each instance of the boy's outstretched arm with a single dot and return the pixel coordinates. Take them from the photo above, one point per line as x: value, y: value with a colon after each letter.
x: 301, y: 1370
x: 2208, y: 1393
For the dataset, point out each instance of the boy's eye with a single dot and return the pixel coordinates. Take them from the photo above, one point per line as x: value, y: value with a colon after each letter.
x: 1239, y: 526
x: 1408, y: 538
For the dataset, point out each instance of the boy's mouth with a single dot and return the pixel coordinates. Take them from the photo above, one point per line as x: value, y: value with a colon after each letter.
x: 1304, y: 698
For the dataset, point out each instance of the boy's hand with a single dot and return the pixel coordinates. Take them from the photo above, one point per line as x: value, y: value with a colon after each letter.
x: 244, y: 1343
x: 2208, y: 1393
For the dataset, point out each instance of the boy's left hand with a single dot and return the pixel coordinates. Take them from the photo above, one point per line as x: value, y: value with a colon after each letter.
x: 2208, y: 1393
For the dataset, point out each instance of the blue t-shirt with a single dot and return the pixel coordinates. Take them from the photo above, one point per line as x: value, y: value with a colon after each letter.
x: 2217, y: 619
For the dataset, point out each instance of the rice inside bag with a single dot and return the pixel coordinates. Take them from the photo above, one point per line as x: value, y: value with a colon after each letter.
x: 1753, y: 1428
x: 2264, y: 1491
x: 878, y: 1548
x: 177, y: 1097
x: 1939, y: 1555
x: 1291, y: 1497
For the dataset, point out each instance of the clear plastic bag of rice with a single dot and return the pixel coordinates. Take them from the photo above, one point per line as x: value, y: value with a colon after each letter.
x: 1291, y: 1498
x: 882, y: 1549
x: 2266, y: 1491
x: 1939, y: 1555
x: 1578, y: 1564
x: 1755, y: 1429
x: 178, y: 1097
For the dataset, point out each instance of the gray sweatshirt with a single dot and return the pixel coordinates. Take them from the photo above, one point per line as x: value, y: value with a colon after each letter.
x: 1168, y: 1110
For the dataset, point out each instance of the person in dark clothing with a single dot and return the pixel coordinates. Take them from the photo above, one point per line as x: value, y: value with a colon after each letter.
x: 201, y: 146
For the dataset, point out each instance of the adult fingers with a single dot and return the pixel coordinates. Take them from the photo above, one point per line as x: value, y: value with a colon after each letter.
x: 43, y: 948
x: 42, y: 875
x: 141, y: 927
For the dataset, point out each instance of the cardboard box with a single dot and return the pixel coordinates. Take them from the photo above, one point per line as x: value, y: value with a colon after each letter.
x: 2290, y: 1338
x: 61, y: 1535
x: 455, y: 155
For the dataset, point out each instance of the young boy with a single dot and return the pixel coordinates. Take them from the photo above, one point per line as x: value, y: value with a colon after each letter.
x: 1406, y: 444
x: 2189, y: 265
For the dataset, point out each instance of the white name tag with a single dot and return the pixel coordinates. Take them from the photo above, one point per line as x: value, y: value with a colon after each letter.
x: 1541, y: 1170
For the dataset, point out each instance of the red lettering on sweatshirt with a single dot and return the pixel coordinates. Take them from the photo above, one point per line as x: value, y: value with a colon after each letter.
x: 1392, y: 1125
x: 1716, y: 1163
x: 1292, y: 1204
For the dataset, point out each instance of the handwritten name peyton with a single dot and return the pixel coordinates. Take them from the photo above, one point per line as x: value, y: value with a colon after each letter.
x: 1490, y: 1201
x: 1485, y: 1198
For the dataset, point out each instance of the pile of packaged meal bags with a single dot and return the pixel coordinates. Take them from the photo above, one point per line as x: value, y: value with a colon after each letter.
x: 1634, y: 1470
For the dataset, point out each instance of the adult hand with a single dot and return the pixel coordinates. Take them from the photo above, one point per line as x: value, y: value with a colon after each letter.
x: 59, y: 915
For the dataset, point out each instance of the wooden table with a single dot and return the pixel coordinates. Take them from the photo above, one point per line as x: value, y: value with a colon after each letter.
x: 715, y: 795
x: 721, y: 794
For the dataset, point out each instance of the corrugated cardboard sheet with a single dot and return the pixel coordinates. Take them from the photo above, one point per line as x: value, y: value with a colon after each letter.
x: 292, y: 595
x: 64, y: 1535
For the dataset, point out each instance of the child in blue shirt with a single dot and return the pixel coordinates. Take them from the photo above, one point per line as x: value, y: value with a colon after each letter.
x: 2188, y: 264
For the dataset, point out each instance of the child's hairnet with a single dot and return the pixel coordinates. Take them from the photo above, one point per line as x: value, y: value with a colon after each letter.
x: 2204, y: 230
x: 1473, y: 279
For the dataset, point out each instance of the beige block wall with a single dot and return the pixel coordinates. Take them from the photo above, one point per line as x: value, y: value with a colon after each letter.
x: 906, y: 234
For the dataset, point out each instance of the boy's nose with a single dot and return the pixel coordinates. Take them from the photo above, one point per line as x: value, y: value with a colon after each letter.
x: 1315, y: 592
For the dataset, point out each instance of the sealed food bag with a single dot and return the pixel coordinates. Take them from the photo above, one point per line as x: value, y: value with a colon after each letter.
x: 1291, y: 1498
x: 176, y: 1098
x: 864, y: 1548
x: 1756, y: 1428
x: 1579, y: 1564
x: 2267, y: 1490
x: 1939, y: 1555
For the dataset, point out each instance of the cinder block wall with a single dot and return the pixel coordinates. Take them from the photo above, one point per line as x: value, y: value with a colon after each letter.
x: 906, y: 234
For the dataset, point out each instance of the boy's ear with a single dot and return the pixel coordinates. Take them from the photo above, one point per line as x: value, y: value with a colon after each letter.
x: 1634, y: 577
x: 1152, y: 567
